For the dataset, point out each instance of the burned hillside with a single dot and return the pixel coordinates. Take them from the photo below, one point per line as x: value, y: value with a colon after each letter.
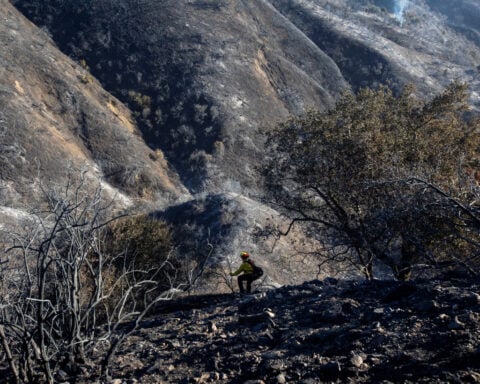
x: 330, y: 330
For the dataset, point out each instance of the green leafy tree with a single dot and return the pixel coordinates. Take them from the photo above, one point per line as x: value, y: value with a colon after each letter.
x: 144, y: 244
x: 381, y: 176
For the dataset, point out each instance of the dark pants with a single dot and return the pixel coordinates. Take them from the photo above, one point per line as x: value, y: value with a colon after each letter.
x: 248, y: 277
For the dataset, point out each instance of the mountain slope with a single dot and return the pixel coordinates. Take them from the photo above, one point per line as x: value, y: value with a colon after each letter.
x: 212, y: 74
x: 58, y: 124
x: 331, y: 331
x: 56, y: 119
x: 186, y: 87
x: 371, y: 45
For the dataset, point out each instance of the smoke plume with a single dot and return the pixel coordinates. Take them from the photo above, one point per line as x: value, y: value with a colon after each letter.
x: 399, y: 9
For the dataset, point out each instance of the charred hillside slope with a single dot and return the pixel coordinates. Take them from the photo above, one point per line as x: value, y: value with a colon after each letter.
x: 203, y: 77
x: 162, y: 104
x: 55, y: 117
x: 161, y: 100
x: 323, y: 331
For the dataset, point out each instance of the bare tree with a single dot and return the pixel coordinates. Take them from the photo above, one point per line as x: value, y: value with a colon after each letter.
x: 64, y: 294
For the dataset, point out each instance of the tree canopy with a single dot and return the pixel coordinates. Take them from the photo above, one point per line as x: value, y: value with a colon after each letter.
x: 381, y: 176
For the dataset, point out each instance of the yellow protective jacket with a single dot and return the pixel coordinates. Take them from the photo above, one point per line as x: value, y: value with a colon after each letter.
x: 244, y: 267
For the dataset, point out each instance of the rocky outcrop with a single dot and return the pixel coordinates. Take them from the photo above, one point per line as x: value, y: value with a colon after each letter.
x: 321, y: 331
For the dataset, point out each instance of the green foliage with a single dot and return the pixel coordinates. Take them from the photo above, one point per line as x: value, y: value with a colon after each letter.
x: 85, y: 77
x: 141, y: 243
x: 140, y: 101
x: 378, y: 172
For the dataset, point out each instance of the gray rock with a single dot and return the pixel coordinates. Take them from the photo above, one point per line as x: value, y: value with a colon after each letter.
x: 474, y: 317
x: 474, y: 298
x: 356, y: 361
x: 62, y: 375
x: 444, y: 318
x: 471, y: 377
x: 212, y: 327
x: 456, y: 324
x: 426, y: 306
x: 330, y: 371
x: 269, y: 313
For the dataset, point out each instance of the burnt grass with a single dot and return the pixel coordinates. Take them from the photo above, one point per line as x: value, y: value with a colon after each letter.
x: 321, y: 331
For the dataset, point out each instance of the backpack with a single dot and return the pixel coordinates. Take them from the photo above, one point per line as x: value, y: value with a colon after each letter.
x: 257, y: 271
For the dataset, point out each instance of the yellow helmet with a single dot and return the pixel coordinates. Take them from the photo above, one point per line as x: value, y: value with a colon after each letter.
x: 244, y: 255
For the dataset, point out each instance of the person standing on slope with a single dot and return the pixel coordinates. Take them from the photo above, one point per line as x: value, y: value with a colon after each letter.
x: 249, y: 273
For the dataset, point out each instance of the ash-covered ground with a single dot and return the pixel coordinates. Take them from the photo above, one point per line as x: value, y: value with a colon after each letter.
x: 330, y: 331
